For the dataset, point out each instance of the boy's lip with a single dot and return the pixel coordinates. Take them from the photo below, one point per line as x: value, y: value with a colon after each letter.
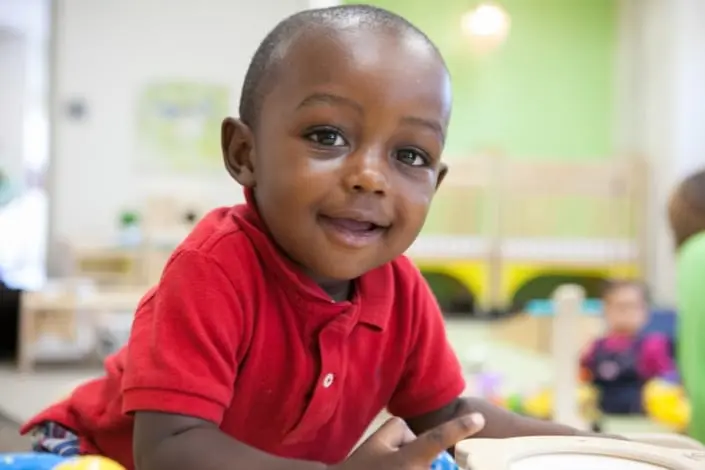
x: 354, y: 229
x: 361, y: 216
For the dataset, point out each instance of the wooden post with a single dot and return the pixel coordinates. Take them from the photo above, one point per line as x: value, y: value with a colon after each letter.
x: 639, y: 208
x: 26, y: 336
x: 495, y: 199
x: 568, y: 302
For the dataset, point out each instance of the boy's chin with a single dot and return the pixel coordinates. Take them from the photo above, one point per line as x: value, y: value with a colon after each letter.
x: 342, y: 265
x: 345, y: 269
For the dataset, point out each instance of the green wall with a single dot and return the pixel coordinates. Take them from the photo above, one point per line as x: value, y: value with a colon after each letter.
x: 547, y: 93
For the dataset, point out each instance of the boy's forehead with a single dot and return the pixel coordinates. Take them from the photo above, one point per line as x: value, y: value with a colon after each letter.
x: 357, y: 43
x: 323, y: 55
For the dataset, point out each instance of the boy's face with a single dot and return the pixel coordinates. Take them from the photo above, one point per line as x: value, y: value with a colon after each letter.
x: 626, y: 309
x: 346, y: 155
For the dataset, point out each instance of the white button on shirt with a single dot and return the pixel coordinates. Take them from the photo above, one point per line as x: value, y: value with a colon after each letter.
x: 328, y: 380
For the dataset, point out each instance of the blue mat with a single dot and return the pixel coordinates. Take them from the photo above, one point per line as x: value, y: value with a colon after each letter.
x: 545, y: 307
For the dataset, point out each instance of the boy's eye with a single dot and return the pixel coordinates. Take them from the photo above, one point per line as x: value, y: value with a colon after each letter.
x: 412, y: 157
x: 327, y: 137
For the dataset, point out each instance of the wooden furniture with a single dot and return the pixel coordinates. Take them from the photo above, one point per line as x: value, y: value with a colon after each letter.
x: 535, y: 333
x: 675, y: 441
x: 575, y: 453
x: 498, y: 221
x: 109, y: 266
x: 165, y: 222
x: 55, y: 311
x: 117, y: 266
x: 565, y: 352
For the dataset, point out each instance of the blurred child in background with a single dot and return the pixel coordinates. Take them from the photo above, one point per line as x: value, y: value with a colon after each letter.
x: 687, y: 217
x: 625, y: 358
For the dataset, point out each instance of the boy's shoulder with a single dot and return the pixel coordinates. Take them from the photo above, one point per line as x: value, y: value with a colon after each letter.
x: 219, y: 232
x: 409, y: 287
x: 405, y: 271
x: 221, y: 239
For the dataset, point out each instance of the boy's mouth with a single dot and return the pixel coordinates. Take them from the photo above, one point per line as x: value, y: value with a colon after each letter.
x: 351, y: 231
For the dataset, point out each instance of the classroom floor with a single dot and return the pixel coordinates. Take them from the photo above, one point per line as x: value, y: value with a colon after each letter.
x: 21, y: 396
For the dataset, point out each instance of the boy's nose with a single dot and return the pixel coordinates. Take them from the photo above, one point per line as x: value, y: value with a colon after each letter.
x: 367, y: 173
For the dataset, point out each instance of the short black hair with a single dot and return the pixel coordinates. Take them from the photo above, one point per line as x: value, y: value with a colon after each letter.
x: 686, y: 208
x: 263, y: 67
x: 613, y: 285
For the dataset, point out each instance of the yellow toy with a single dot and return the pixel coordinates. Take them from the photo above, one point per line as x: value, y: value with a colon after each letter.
x: 89, y: 462
x: 540, y: 405
x: 666, y: 403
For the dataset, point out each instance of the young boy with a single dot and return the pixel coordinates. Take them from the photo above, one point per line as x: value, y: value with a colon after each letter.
x: 282, y: 327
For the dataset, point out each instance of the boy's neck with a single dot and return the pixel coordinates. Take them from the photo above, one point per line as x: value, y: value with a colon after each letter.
x: 339, y: 291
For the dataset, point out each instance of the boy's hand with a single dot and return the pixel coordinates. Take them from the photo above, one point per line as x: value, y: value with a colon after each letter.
x: 394, y: 446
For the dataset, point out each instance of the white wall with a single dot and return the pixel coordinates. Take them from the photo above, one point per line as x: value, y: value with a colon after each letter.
x: 28, y: 20
x: 689, y: 135
x: 662, y: 109
x: 105, y: 52
x: 13, y: 58
x: 24, y: 138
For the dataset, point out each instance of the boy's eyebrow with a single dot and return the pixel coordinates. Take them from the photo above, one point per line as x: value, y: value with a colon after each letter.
x: 435, y: 126
x: 328, y: 98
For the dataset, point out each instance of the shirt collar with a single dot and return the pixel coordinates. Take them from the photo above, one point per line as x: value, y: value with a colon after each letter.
x: 373, y: 296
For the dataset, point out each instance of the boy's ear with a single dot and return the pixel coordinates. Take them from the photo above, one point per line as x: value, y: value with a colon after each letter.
x: 237, y: 143
x: 442, y: 172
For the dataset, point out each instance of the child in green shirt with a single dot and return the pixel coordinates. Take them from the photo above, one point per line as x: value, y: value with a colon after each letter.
x: 687, y: 218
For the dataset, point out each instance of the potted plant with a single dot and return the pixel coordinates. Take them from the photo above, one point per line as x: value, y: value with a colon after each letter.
x: 130, y: 233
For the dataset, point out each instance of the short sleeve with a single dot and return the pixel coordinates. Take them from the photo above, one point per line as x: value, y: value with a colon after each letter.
x: 655, y: 357
x: 432, y: 376
x: 186, y: 339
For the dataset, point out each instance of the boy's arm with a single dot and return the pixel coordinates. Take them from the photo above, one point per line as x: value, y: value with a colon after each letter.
x: 499, y: 423
x: 428, y: 392
x: 655, y: 359
x: 167, y: 441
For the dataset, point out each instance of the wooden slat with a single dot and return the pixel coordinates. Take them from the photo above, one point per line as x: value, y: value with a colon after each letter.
x: 476, y: 171
x: 592, y: 179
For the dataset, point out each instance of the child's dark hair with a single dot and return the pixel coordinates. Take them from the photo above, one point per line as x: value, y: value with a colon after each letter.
x: 265, y: 65
x: 613, y: 285
x: 686, y: 209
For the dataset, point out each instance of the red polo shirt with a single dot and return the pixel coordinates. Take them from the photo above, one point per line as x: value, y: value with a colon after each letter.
x: 236, y: 335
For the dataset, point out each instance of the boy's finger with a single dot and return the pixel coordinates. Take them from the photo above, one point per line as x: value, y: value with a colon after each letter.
x: 426, y: 447
x: 393, y: 434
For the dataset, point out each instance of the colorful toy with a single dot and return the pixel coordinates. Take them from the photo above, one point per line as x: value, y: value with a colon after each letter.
x: 29, y: 461
x: 539, y: 404
x: 89, y: 462
x: 665, y: 402
x: 46, y: 461
x: 444, y: 462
